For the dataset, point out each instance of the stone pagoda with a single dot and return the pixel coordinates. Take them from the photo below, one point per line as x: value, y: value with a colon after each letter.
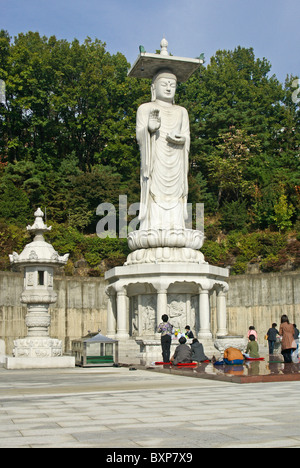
x: 38, y: 260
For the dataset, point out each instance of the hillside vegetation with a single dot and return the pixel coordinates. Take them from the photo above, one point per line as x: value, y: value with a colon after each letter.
x: 67, y: 144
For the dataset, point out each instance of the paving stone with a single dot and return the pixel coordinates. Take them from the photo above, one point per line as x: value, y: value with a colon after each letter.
x: 152, y: 410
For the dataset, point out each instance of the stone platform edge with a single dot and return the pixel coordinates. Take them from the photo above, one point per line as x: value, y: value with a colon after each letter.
x: 240, y: 379
x: 60, y: 362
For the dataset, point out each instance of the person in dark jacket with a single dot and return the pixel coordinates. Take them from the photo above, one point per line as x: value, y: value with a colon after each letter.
x: 188, y: 333
x: 198, y: 351
x: 183, y: 352
x: 272, y: 335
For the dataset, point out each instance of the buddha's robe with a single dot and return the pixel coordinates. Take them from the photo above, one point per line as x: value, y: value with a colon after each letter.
x: 164, y: 168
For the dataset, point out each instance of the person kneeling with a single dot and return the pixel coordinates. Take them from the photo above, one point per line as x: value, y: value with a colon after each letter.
x: 252, y: 350
x: 198, y: 351
x: 233, y: 356
x: 183, y: 353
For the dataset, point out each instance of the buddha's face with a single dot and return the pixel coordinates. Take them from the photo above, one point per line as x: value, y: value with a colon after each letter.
x: 165, y: 89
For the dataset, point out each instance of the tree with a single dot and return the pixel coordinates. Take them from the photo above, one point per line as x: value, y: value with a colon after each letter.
x: 283, y: 213
x: 233, y: 90
x: 236, y: 90
x: 67, y: 137
x: 67, y: 99
x: 227, y: 165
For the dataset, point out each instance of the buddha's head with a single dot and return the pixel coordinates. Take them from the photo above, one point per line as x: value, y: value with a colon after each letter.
x: 163, y: 86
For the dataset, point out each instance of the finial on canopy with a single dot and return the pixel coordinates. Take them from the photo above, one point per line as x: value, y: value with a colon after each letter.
x: 164, y: 47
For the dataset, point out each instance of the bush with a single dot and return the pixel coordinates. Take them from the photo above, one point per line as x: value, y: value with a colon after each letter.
x: 66, y: 239
x: 234, y: 216
x: 97, y: 249
x: 14, y: 205
x: 272, y: 242
x: 12, y: 239
x: 292, y: 251
x: 250, y: 247
x: 214, y: 253
x: 273, y: 263
x: 239, y: 268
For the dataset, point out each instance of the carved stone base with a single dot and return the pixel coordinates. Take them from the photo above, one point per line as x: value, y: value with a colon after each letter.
x: 165, y: 255
x: 153, y: 238
x: 37, y: 347
x: 234, y: 341
x: 150, y: 350
x: 139, y: 294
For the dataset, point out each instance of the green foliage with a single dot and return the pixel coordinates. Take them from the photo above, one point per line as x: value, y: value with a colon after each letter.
x: 283, y: 213
x: 273, y: 263
x: 256, y: 245
x: 66, y: 239
x: 12, y: 239
x: 215, y: 253
x: 68, y: 144
x: 97, y: 250
x: 14, y: 204
x: 239, y: 268
x: 229, y: 161
x: 234, y: 216
x: 270, y: 250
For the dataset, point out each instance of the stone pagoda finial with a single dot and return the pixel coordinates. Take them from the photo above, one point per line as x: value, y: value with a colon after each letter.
x: 38, y: 227
x: 164, y: 47
x: 39, y: 251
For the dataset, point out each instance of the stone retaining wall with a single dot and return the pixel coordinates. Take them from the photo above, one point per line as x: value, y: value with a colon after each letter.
x: 255, y: 300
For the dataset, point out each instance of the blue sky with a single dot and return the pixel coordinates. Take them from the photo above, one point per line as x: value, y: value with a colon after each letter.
x: 191, y: 27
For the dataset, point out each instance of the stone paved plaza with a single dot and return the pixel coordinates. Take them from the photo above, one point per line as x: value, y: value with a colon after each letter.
x: 119, y: 408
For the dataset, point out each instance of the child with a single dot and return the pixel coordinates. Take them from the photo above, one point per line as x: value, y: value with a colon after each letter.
x: 252, y: 348
x: 188, y: 333
x: 252, y: 331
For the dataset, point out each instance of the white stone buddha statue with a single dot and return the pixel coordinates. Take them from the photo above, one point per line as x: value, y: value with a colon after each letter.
x: 164, y: 139
x: 163, y: 135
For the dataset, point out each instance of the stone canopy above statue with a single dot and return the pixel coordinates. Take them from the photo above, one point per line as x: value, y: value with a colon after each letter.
x: 147, y: 65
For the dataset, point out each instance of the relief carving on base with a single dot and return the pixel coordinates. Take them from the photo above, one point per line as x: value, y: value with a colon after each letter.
x: 143, y: 315
x: 37, y: 347
x: 177, y: 311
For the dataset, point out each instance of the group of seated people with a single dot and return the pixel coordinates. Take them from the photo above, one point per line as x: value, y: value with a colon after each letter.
x: 186, y: 354
x: 195, y: 352
x: 235, y: 356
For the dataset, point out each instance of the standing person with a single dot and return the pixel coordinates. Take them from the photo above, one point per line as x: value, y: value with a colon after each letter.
x: 165, y: 328
x: 288, y: 344
x: 271, y: 337
x: 295, y: 355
